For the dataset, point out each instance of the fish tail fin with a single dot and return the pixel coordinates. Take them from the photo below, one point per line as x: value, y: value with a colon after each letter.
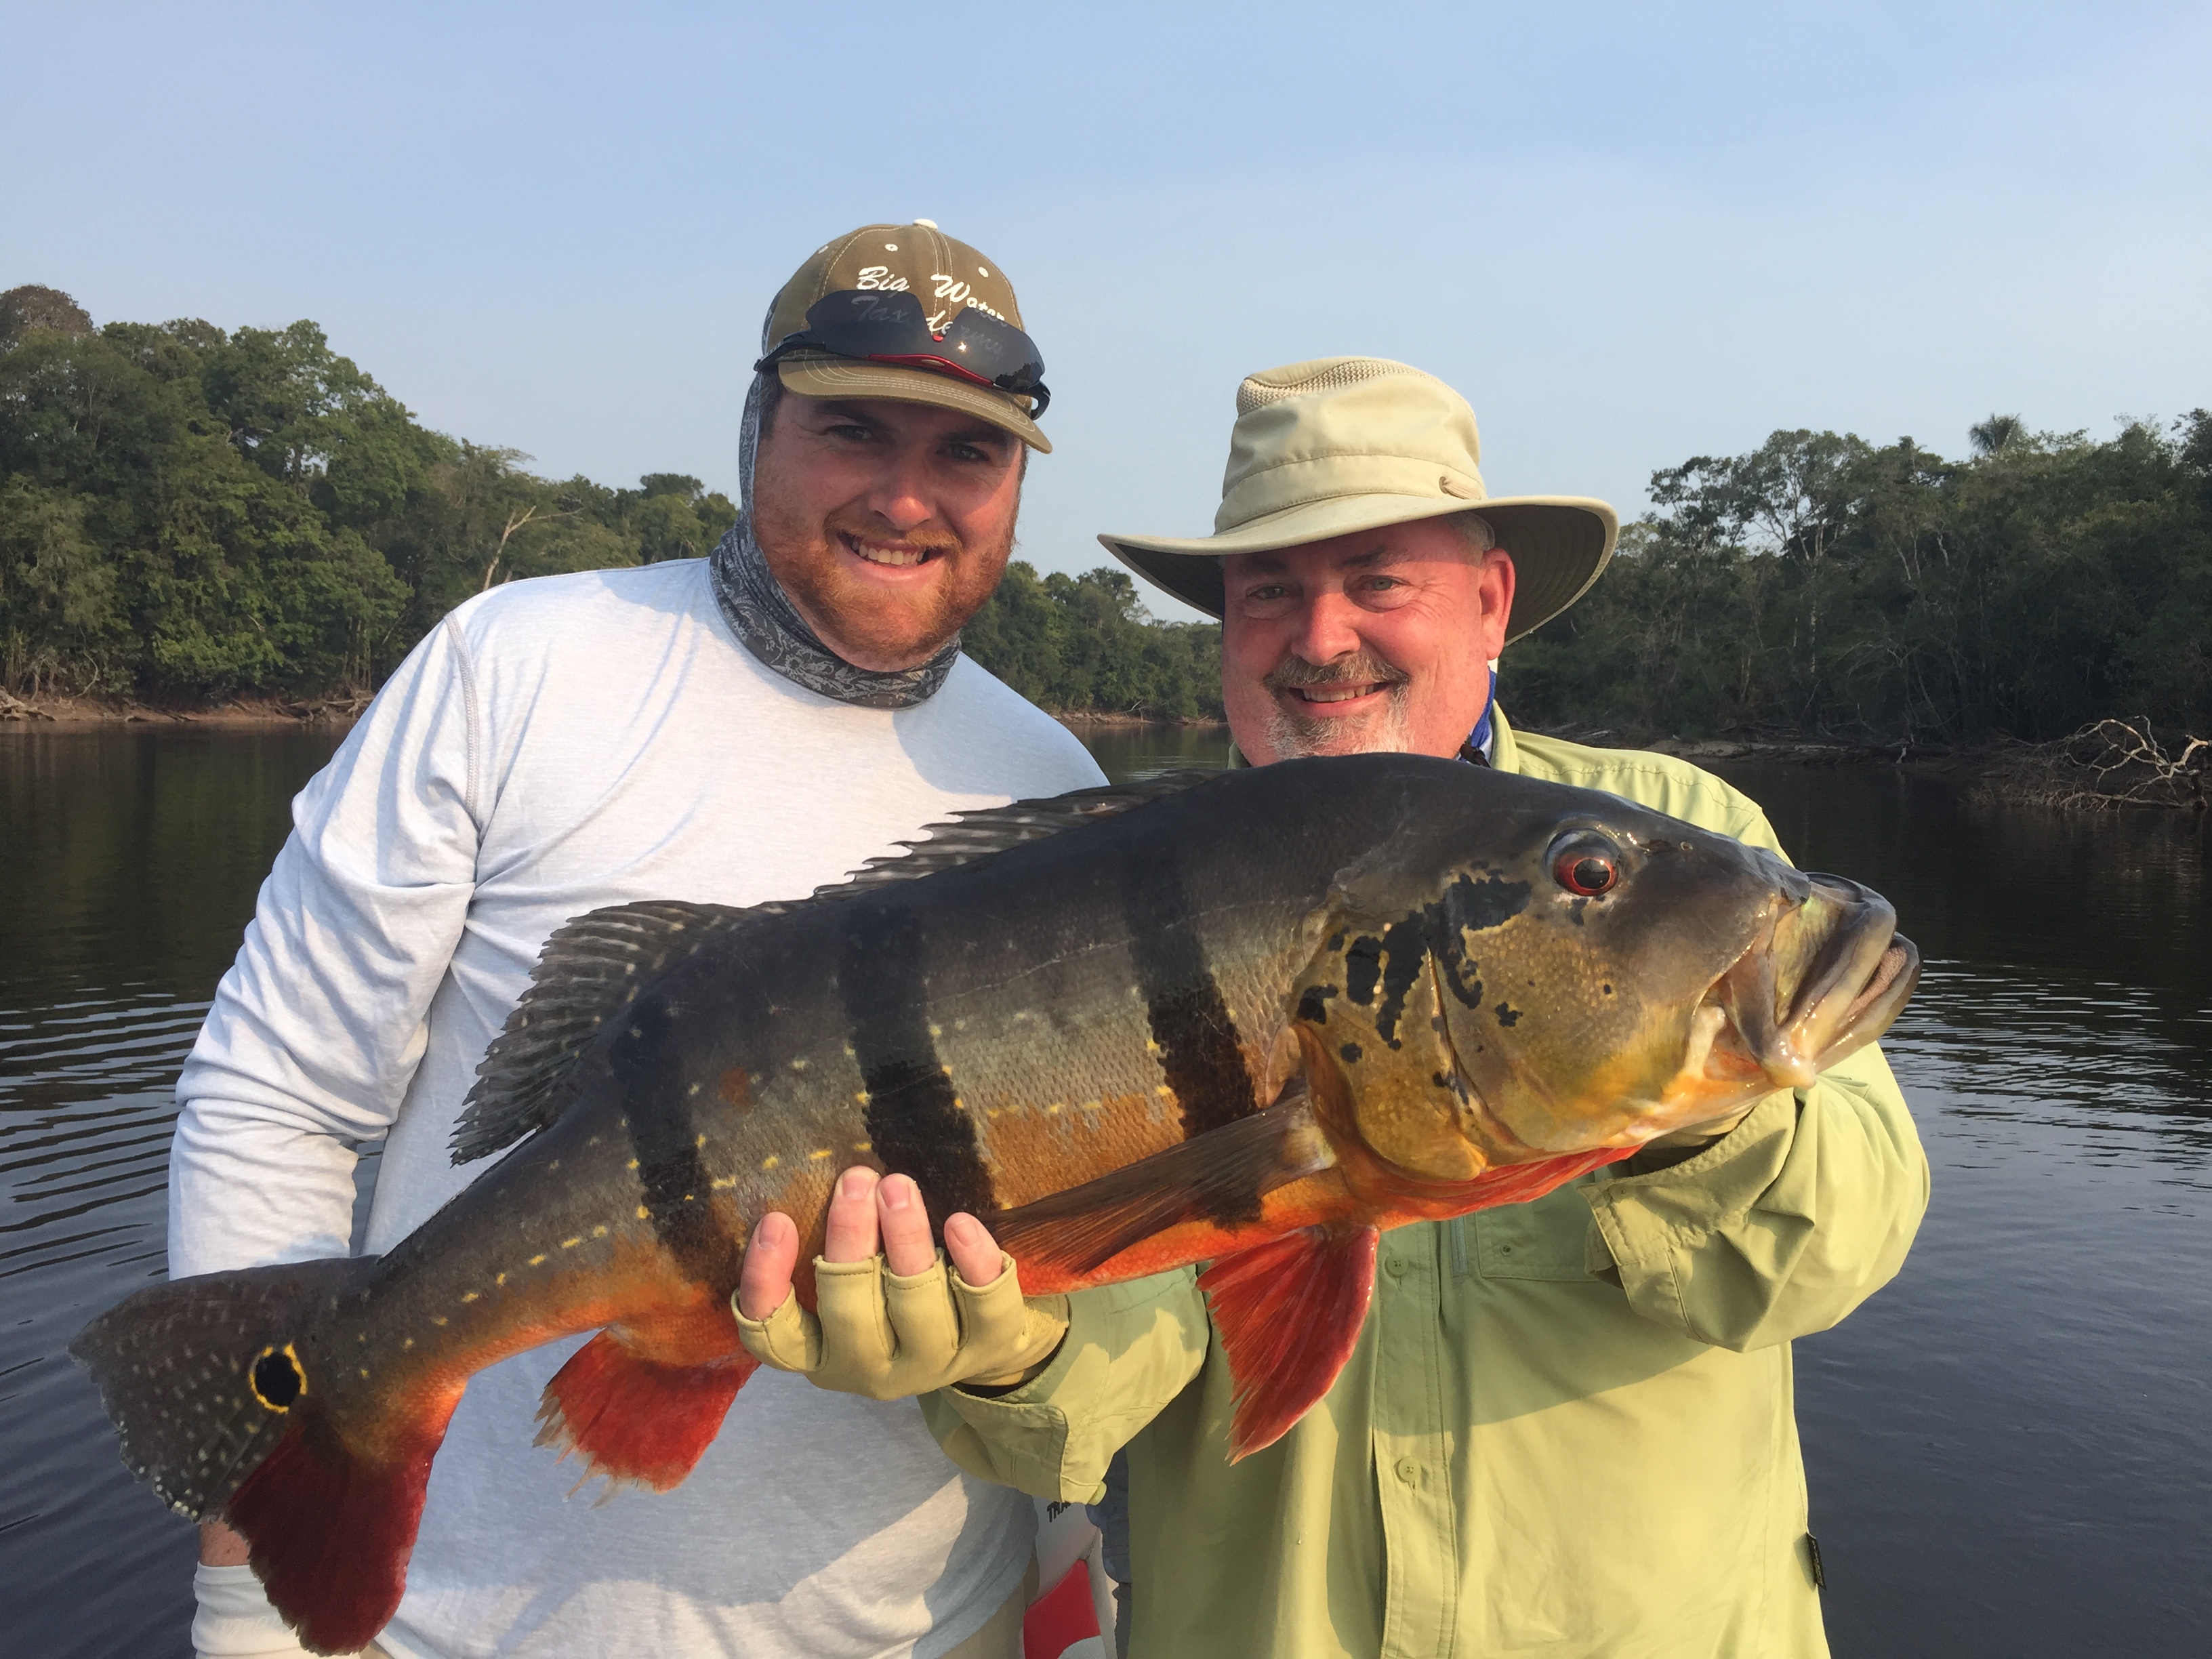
x: 331, y: 1526
x: 215, y: 1386
x: 636, y: 1419
x: 1289, y: 1313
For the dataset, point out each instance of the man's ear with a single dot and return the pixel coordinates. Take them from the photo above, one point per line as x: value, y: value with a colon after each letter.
x: 1496, y: 585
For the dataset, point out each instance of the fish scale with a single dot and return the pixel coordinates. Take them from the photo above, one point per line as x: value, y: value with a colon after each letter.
x: 1250, y: 1019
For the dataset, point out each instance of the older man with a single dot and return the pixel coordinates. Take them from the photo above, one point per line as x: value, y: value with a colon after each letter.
x: 733, y: 730
x: 1567, y: 1427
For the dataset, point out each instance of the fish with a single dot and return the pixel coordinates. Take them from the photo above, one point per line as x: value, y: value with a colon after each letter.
x: 1250, y: 1018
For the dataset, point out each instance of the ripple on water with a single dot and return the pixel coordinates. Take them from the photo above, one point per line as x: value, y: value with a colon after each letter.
x: 86, y: 1114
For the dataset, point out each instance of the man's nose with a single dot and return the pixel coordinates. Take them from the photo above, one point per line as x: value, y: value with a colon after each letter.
x: 1326, y: 629
x: 901, y: 493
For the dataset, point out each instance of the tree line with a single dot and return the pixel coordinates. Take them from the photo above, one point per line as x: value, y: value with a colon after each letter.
x: 1823, y: 585
x: 188, y: 514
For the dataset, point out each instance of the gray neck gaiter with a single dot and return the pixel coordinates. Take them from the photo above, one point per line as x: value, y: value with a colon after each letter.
x: 761, y: 614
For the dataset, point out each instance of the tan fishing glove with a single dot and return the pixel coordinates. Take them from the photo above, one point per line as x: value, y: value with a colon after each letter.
x: 885, y: 1337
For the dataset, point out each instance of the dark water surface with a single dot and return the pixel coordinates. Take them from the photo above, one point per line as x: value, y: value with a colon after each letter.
x: 2010, y: 1449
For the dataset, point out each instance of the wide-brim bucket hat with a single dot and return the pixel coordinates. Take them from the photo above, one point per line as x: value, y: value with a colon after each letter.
x: 1338, y: 445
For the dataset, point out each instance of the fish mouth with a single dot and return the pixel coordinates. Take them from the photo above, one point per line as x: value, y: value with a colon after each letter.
x: 1827, y: 978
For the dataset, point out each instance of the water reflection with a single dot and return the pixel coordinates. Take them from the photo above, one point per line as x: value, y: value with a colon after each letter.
x: 1128, y: 753
x: 2010, y: 1449
x: 131, y: 860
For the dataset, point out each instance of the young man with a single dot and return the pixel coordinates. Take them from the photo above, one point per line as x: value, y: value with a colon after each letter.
x: 733, y: 730
x: 1567, y: 1428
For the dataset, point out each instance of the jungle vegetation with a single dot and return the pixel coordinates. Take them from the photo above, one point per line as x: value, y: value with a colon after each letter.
x: 188, y: 515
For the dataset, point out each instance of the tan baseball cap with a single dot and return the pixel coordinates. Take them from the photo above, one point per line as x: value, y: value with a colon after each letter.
x: 917, y: 258
x: 1343, y: 444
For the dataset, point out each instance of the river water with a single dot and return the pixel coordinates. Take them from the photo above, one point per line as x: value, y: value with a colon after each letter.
x: 2010, y: 1449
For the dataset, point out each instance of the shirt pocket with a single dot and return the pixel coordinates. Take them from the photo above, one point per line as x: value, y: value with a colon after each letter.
x: 1543, y: 1240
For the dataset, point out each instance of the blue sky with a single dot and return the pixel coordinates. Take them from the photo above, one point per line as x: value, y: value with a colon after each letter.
x: 1629, y: 234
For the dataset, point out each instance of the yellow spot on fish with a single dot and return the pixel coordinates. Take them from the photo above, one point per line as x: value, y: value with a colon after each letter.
x: 769, y: 1162
x: 720, y: 1182
x: 598, y: 1232
x: 406, y: 1343
x: 824, y: 1152
x: 947, y: 1070
x: 701, y: 1140
x: 849, y: 1054
x: 437, y: 1319
x: 863, y: 1145
x: 643, y: 1214
x: 798, y: 1064
x: 1052, y: 1108
x: 498, y: 1279
x: 861, y: 1098
x: 539, y: 1260
x: 1151, y: 1046
x: 469, y: 1296
x: 364, y: 1372
x: 632, y: 1163
x: 694, y: 1090
x: 571, y: 1244
x: 935, y: 1030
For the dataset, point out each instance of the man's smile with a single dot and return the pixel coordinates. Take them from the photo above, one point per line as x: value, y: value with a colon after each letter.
x: 891, y: 555
x: 1335, y: 693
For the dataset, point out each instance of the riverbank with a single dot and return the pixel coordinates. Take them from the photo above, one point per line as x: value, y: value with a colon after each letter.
x: 241, y: 713
x: 245, y: 712
x: 2110, y: 764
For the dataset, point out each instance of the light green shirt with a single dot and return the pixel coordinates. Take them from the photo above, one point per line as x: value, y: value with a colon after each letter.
x: 1567, y: 1428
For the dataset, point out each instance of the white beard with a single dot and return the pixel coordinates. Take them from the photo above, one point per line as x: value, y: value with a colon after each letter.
x: 1389, y: 732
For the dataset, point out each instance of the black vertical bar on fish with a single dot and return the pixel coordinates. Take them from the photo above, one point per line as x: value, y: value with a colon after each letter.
x: 655, y: 1072
x: 912, y: 1111
x: 1190, y: 1020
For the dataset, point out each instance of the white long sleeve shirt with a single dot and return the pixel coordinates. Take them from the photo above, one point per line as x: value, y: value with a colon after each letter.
x: 554, y: 746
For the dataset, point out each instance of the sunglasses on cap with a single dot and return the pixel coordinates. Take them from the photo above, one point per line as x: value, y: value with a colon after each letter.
x: 876, y: 327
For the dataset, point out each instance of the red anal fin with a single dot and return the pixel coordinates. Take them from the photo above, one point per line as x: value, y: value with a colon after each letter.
x: 1219, y: 1176
x: 1523, y: 1183
x: 330, y: 1529
x: 637, y: 1421
x: 1288, y: 1313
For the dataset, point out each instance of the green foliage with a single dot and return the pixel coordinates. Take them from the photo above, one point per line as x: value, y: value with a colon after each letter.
x: 1821, y: 583
x: 1084, y: 644
x: 188, y: 514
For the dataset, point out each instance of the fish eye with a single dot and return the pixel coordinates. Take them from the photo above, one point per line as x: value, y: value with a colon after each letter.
x: 1587, y: 865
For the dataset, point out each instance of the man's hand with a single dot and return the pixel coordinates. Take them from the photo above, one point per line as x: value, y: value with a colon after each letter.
x: 896, y: 1323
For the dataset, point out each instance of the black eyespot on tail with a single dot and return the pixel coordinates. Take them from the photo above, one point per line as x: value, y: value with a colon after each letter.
x: 276, y: 1378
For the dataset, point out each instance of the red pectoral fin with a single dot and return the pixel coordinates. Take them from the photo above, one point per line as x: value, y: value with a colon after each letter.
x: 637, y: 1421
x: 1288, y: 1313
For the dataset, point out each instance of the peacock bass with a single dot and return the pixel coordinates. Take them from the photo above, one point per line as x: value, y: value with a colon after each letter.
x: 1251, y: 1018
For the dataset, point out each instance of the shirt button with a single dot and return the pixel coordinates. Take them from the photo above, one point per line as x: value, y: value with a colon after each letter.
x: 1395, y: 1266
x: 1409, y: 1471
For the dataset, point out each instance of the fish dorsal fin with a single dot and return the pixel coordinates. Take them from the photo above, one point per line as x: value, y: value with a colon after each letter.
x: 599, y: 963
x: 593, y: 967
x: 968, y: 836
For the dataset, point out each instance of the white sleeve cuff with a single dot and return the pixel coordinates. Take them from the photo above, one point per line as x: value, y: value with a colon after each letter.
x: 234, y: 1620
